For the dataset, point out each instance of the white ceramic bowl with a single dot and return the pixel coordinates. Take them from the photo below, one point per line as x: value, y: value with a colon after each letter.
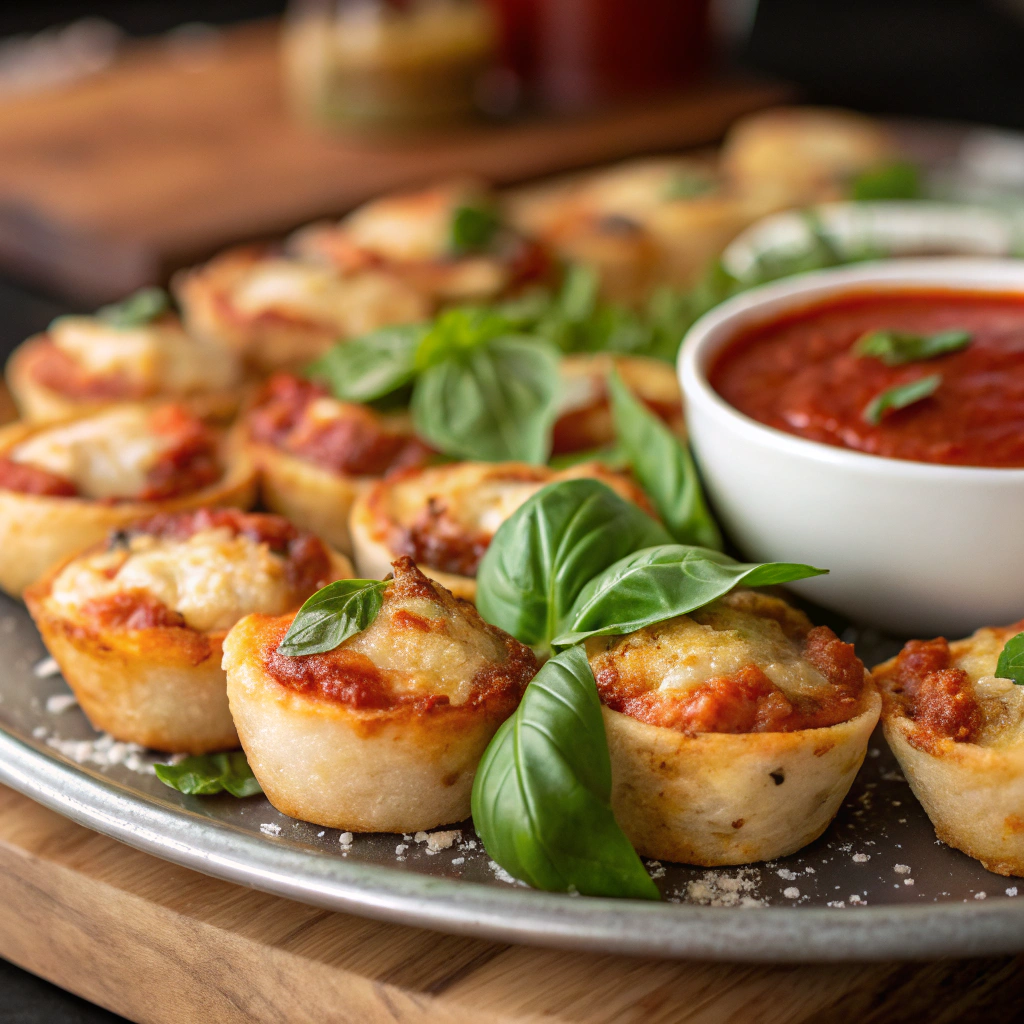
x: 914, y: 548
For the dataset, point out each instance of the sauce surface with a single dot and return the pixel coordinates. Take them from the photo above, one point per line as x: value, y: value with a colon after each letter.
x: 798, y: 374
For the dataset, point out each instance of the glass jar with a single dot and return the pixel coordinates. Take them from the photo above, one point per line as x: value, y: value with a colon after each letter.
x: 387, y: 64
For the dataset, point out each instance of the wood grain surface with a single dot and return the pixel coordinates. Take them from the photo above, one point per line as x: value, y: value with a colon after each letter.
x: 115, y: 181
x: 164, y: 945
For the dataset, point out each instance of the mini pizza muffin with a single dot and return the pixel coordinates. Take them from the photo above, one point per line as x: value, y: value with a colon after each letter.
x: 275, y: 311
x: 802, y: 155
x: 445, y: 516
x: 83, y: 363
x: 585, y: 419
x: 446, y: 241
x: 137, y: 622
x: 384, y: 733
x: 642, y: 223
x: 958, y: 733
x: 734, y: 732
x: 315, y: 454
x: 64, y: 485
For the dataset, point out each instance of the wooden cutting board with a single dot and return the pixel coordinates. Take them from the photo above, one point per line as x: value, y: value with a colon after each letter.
x: 164, y: 945
x: 115, y: 181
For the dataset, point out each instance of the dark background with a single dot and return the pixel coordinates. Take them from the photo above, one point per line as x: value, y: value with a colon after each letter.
x: 958, y: 59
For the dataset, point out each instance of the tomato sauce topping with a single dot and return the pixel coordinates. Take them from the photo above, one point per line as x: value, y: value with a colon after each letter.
x: 798, y: 374
x: 935, y: 694
x: 56, y: 370
x: 27, y: 479
x: 357, y: 443
x: 189, y: 463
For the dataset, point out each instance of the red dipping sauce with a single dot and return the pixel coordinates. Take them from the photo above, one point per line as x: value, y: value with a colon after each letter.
x: 798, y: 374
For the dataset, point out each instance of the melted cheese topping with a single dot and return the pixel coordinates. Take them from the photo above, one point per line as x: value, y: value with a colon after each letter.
x: 212, y: 579
x: 1001, y: 700
x: 712, y: 643
x: 441, y: 661
x: 352, y: 305
x: 159, y: 356
x: 107, y: 455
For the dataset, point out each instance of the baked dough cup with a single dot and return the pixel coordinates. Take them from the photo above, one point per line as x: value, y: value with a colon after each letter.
x: 39, y: 403
x: 445, y: 516
x: 159, y: 686
x: 731, y: 768
x: 38, y: 530
x: 289, y: 332
x: 389, y: 737
x: 960, y: 744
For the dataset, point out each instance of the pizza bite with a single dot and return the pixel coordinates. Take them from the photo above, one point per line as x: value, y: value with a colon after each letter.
x: 315, y: 454
x: 276, y: 311
x: 384, y: 733
x: 447, y: 241
x: 957, y: 731
x: 445, y: 516
x: 137, y: 622
x: 83, y: 363
x: 64, y: 485
x: 734, y: 732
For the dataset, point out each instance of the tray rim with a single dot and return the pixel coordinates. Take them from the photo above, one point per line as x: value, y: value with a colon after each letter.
x: 628, y: 927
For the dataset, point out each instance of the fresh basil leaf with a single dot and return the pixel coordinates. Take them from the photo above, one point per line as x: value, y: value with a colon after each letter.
x: 457, y: 332
x: 138, y: 309
x: 659, y: 583
x: 372, y: 366
x: 546, y: 552
x: 542, y: 794
x: 664, y: 467
x: 1011, y: 660
x: 577, y: 300
x: 332, y: 615
x: 610, y: 455
x: 473, y: 228
x: 900, y: 397
x: 497, y: 402
x: 206, y: 774
x: 898, y: 180
x: 894, y: 348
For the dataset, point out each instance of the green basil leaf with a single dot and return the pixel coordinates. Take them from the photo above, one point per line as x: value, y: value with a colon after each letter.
x: 138, y: 309
x: 458, y: 332
x: 662, y: 582
x: 894, y: 348
x: 1011, y: 660
x: 610, y: 455
x: 542, y: 794
x: 332, y: 615
x: 495, y: 403
x: 372, y: 366
x: 900, y: 397
x: 473, y: 228
x: 664, y: 467
x: 546, y: 552
x: 897, y: 180
x: 207, y: 774
x: 577, y: 300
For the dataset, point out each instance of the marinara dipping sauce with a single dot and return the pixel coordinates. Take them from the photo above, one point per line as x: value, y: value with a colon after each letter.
x: 798, y: 374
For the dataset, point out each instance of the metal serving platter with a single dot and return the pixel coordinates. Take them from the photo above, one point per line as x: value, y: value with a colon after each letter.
x: 876, y: 885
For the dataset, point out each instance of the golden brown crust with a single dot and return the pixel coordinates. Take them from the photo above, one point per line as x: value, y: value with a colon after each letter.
x: 38, y: 531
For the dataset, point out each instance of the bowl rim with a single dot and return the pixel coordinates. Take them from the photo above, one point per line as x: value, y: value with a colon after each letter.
x: 716, y: 328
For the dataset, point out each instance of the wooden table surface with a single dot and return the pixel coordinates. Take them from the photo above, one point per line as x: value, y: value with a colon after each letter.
x: 163, y: 945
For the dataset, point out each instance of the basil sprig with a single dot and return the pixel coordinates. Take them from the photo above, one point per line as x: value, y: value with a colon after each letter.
x: 547, y: 551
x: 664, y: 467
x: 659, y: 583
x: 895, y: 348
x: 899, y: 179
x: 473, y: 228
x: 1011, y: 660
x: 332, y: 615
x: 479, y: 389
x: 899, y: 397
x: 207, y: 774
x: 137, y: 309
x: 542, y: 794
